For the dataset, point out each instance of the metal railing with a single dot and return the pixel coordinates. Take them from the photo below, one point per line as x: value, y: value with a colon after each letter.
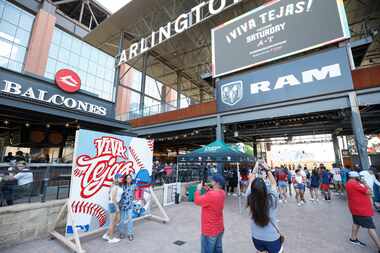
x: 153, y: 110
x: 50, y: 181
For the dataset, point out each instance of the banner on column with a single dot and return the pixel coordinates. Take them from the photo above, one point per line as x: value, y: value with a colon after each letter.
x: 97, y: 158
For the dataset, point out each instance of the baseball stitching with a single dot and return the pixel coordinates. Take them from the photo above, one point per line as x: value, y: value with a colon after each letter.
x: 151, y: 145
x: 82, y: 207
x: 133, y: 152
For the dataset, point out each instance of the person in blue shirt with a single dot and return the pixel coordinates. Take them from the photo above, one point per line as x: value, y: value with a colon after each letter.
x: 314, y: 185
x: 344, y: 173
x: 326, y: 179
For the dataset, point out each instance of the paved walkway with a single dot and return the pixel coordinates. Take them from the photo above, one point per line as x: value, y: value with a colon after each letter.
x: 313, y: 228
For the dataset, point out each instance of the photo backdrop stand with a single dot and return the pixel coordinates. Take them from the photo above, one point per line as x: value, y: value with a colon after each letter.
x: 74, y: 241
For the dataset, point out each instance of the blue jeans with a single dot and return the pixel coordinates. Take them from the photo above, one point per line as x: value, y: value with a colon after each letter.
x: 126, y: 222
x: 212, y: 244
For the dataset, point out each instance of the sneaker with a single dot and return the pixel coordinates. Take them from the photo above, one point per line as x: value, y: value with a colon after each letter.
x: 114, y: 240
x: 299, y: 204
x: 312, y: 200
x: 357, y: 242
x: 280, y: 201
x: 285, y: 201
x: 130, y: 237
x: 106, y: 237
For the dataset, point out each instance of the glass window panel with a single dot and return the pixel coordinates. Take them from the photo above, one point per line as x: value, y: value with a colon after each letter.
x: 26, y: 22
x: 64, y: 55
x: 99, y: 83
x: 92, y: 67
x: 134, y: 99
x: 15, y: 66
x: 110, y: 62
x: 22, y: 37
x: 100, y: 71
x: 53, y: 51
x: 60, y: 66
x: 1, y: 8
x: 90, y: 80
x: 74, y: 60
x: 7, y: 30
x: 76, y: 46
x: 86, y: 51
x: 50, y: 75
x: 18, y: 53
x: 94, y: 54
x: 51, y: 66
x: 57, y: 36
x: 5, y: 48
x: 66, y: 41
x: 184, y: 101
x: 83, y: 63
x: 12, y: 14
x: 153, y: 88
x: 3, y: 61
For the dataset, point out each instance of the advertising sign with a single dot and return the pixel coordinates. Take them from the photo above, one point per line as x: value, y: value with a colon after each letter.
x: 67, y: 80
x: 27, y: 89
x: 307, y: 76
x: 276, y: 30
x: 97, y: 158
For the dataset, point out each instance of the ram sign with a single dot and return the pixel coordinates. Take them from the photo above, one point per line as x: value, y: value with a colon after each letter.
x: 308, y: 76
x: 276, y: 30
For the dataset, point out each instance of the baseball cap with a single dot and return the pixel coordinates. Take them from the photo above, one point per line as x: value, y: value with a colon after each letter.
x: 219, y: 179
x: 353, y: 174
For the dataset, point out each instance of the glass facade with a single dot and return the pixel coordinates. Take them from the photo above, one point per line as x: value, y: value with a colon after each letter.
x: 15, y: 29
x: 95, y: 68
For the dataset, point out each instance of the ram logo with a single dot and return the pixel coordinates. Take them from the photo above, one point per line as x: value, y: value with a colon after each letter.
x: 232, y: 93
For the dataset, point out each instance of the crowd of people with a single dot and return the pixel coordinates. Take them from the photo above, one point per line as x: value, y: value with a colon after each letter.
x: 268, y: 187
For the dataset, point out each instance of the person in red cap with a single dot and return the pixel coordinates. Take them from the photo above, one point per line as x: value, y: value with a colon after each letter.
x: 360, y: 205
x: 212, y: 223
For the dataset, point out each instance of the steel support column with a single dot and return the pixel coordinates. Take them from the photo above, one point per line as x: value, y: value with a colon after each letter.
x: 357, y: 127
x: 143, y: 81
x: 219, y: 136
x: 117, y: 68
x: 335, y: 141
x: 179, y: 77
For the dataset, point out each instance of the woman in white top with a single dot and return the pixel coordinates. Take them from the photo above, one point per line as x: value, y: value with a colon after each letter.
x: 114, y: 198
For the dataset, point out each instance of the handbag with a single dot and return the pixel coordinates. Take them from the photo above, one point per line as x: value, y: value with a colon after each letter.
x: 282, y: 237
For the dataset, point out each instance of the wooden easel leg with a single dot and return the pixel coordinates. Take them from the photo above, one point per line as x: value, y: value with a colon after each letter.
x: 76, y: 245
x: 165, y: 217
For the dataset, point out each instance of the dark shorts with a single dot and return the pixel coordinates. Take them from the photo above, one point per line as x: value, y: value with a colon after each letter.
x: 364, y: 221
x: 270, y: 247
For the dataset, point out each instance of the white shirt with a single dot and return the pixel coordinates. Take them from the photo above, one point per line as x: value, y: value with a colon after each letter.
x: 119, y: 192
x: 369, y: 179
x: 24, y: 177
x: 299, y: 179
x: 336, y: 174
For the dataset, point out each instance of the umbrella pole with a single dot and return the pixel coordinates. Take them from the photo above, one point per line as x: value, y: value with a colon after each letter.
x: 239, y: 193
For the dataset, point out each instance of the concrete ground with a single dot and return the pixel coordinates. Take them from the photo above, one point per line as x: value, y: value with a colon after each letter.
x: 313, y: 228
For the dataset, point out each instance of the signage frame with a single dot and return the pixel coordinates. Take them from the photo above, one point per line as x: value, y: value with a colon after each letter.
x: 343, y: 21
x: 259, y: 88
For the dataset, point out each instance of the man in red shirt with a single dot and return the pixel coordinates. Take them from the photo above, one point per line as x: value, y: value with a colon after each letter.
x: 212, y: 223
x: 360, y: 205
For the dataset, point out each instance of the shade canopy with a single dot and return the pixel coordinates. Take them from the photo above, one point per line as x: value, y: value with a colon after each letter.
x: 216, y: 151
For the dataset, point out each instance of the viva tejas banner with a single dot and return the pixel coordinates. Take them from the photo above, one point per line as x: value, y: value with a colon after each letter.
x: 276, y: 30
x: 97, y: 158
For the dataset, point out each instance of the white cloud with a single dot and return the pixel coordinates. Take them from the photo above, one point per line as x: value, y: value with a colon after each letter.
x: 113, y: 5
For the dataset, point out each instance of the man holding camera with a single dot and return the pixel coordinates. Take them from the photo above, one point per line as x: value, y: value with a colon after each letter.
x: 212, y: 223
x: 360, y: 205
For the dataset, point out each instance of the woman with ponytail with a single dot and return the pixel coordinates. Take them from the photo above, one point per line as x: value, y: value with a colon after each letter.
x: 262, y: 201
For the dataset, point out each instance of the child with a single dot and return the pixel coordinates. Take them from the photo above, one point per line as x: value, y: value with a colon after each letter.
x: 114, y: 198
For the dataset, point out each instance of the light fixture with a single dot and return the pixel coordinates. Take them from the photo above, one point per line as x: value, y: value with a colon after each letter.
x: 78, y: 126
x: 67, y: 125
x: 47, y: 125
x: 185, y: 135
x: 27, y: 124
x: 236, y: 134
x: 196, y: 131
x: 6, y: 122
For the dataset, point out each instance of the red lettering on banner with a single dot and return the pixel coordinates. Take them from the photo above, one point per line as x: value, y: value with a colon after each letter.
x: 98, y: 171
